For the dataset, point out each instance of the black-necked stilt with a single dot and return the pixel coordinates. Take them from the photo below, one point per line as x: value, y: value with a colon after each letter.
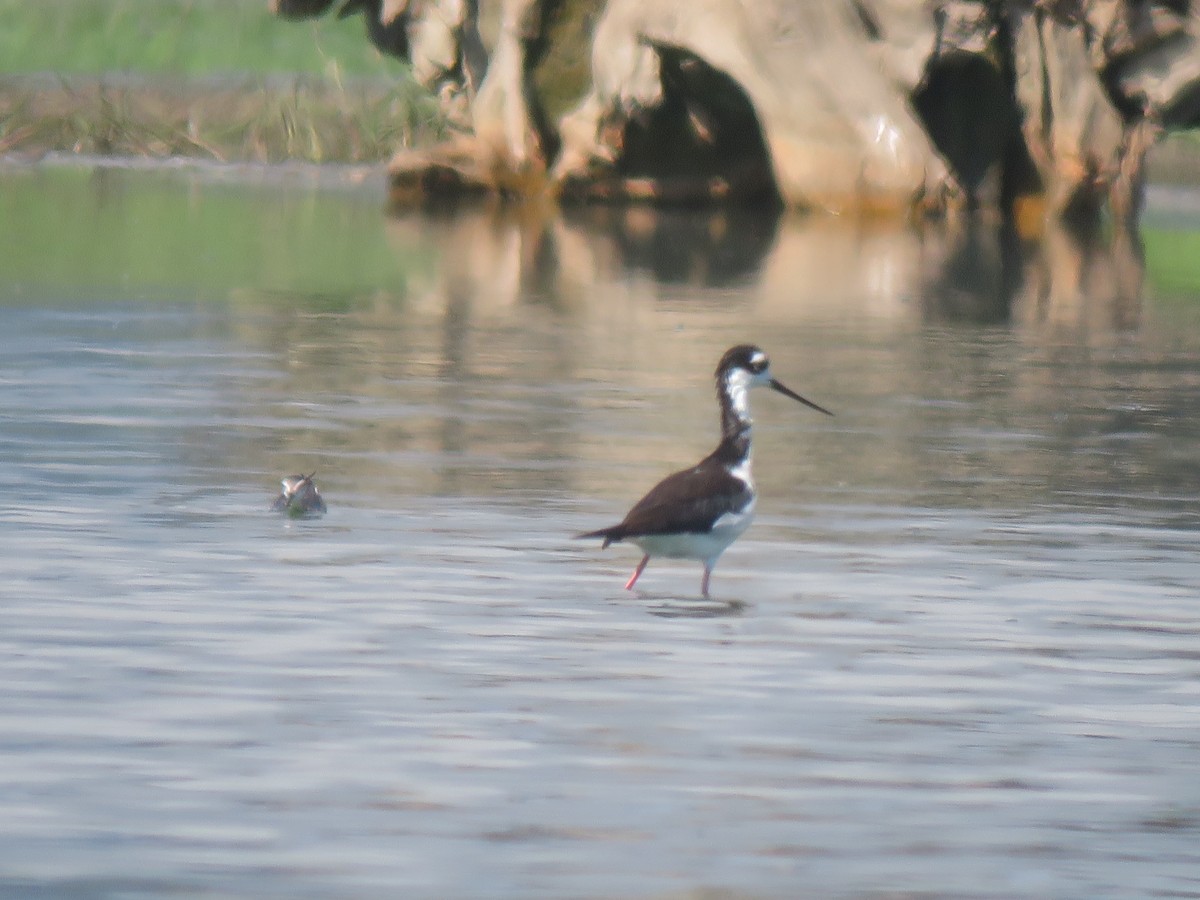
x: 698, y: 512
x: 300, y: 497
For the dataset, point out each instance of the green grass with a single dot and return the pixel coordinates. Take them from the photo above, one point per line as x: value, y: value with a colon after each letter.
x: 181, y: 37
x: 220, y: 79
x: 1173, y: 260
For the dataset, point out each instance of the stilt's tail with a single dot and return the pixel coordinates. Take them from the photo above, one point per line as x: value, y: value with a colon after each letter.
x: 610, y: 534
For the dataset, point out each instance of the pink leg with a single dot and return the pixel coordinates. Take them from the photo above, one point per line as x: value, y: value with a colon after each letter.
x: 637, y: 573
x: 704, y: 580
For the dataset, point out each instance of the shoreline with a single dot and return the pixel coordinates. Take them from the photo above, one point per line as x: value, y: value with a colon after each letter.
x: 128, y: 120
x: 1166, y: 199
x: 324, y: 175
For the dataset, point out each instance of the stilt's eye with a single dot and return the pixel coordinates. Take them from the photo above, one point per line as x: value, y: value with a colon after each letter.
x: 758, y: 363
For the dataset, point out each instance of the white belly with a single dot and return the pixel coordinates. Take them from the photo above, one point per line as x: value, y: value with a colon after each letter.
x: 707, y: 546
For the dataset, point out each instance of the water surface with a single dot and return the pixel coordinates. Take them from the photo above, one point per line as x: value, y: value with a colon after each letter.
x: 956, y: 656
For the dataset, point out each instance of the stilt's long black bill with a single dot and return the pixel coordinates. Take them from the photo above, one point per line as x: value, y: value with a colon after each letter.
x: 788, y: 392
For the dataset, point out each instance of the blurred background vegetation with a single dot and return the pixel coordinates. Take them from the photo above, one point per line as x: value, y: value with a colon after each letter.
x: 219, y: 79
x: 180, y: 37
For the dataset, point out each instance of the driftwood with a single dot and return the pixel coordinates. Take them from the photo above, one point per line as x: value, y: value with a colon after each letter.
x: 842, y: 105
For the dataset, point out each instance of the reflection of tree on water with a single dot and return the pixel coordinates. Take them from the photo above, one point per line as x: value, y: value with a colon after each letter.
x: 973, y: 275
x: 513, y: 305
x: 975, y: 269
x: 683, y: 245
x: 494, y: 265
x: 1084, y: 277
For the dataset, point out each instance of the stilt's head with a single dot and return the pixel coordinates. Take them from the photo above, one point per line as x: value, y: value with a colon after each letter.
x: 741, y: 368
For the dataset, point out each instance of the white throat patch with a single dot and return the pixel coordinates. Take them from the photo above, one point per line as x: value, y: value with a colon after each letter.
x: 737, y: 386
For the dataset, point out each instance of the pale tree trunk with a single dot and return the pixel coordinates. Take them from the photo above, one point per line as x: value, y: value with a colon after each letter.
x: 838, y: 105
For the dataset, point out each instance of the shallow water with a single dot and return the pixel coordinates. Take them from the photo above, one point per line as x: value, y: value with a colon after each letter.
x: 956, y: 656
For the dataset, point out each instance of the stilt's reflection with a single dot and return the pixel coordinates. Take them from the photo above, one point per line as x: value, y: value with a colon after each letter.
x: 699, y: 608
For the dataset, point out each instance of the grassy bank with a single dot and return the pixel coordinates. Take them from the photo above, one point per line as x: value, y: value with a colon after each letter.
x: 259, y: 118
x: 220, y: 79
x: 182, y: 38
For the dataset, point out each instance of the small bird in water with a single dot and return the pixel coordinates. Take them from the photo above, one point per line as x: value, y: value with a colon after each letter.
x: 698, y: 512
x: 300, y: 497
